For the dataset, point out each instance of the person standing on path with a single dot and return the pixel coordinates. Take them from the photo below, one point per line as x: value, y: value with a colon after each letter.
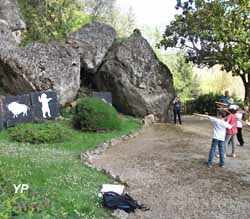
x: 239, y: 116
x: 177, y: 109
x: 231, y: 133
x: 219, y: 132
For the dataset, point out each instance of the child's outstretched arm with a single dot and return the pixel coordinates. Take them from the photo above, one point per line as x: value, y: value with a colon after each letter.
x: 220, y: 104
x: 201, y: 115
x: 246, y: 123
x: 225, y: 109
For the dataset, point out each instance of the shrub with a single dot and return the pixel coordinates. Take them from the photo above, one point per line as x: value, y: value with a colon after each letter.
x: 238, y: 101
x: 203, y: 104
x: 93, y: 114
x: 206, y: 104
x: 37, y: 133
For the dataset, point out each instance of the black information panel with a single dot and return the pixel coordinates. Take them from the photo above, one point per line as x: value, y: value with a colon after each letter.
x: 18, y: 109
x: 45, y: 105
x: 107, y: 96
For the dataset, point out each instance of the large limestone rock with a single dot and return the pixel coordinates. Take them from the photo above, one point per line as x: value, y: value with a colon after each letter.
x: 37, y: 67
x: 92, y: 42
x: 6, y: 37
x: 40, y: 67
x: 139, y: 82
x: 9, y: 11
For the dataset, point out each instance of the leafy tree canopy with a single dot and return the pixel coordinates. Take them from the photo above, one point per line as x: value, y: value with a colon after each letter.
x: 55, y: 19
x: 51, y: 19
x: 185, y: 82
x: 107, y: 11
x: 213, y: 32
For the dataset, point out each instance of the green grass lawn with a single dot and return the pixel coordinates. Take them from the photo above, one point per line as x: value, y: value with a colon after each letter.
x: 61, y: 186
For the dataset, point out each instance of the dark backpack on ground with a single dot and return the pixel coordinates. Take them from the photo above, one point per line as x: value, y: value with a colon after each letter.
x: 114, y: 201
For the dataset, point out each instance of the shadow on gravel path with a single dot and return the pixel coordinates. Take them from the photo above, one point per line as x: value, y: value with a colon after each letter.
x: 165, y: 168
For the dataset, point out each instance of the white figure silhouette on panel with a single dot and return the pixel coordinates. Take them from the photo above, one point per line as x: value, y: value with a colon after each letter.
x: 16, y: 109
x: 45, y: 104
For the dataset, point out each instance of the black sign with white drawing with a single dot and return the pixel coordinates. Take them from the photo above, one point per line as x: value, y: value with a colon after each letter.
x: 45, y: 105
x: 17, y: 109
x: 105, y: 96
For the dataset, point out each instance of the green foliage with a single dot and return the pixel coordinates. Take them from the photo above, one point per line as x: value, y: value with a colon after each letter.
x: 38, y: 133
x: 51, y: 19
x: 238, y: 101
x: 54, y: 19
x: 203, y: 104
x: 124, y: 24
x: 106, y: 11
x: 100, y: 10
x: 184, y: 80
x: 93, y: 114
x: 213, y: 32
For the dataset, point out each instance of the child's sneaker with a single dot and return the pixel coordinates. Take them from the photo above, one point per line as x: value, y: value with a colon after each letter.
x: 233, y: 155
x: 222, y: 165
x: 209, y: 166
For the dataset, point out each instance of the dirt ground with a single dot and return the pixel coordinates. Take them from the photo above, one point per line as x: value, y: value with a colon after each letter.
x: 166, y: 170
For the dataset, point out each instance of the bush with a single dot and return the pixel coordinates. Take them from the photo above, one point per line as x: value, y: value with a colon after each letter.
x: 93, y: 114
x: 238, y: 101
x: 203, y: 104
x: 206, y: 104
x: 38, y: 133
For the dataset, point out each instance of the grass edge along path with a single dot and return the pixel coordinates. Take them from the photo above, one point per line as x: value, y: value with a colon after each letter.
x: 60, y: 185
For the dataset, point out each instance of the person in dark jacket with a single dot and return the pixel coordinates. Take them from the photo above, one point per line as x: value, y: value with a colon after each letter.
x: 177, y: 109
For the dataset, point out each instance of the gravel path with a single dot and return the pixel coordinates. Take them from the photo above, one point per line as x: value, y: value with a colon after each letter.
x: 165, y: 168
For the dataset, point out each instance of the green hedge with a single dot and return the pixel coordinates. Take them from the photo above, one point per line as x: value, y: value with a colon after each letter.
x: 206, y: 104
x: 37, y: 133
x: 93, y: 114
x: 203, y: 104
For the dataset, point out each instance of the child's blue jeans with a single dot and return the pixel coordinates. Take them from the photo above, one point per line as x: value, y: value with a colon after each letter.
x: 212, y: 152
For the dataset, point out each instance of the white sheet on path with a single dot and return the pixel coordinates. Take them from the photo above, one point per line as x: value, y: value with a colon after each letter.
x: 112, y: 188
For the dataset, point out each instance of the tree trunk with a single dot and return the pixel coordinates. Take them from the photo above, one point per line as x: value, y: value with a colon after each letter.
x: 246, y: 81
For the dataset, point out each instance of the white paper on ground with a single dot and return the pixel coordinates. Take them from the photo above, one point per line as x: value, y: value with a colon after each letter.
x: 112, y: 188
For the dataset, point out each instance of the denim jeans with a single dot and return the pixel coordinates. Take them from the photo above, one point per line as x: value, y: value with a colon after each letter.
x: 212, y: 152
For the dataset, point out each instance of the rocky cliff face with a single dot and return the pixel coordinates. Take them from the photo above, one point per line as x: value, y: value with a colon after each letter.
x: 41, y: 67
x: 7, y: 39
x: 37, y: 67
x: 92, y: 42
x: 9, y: 11
x: 139, y: 82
